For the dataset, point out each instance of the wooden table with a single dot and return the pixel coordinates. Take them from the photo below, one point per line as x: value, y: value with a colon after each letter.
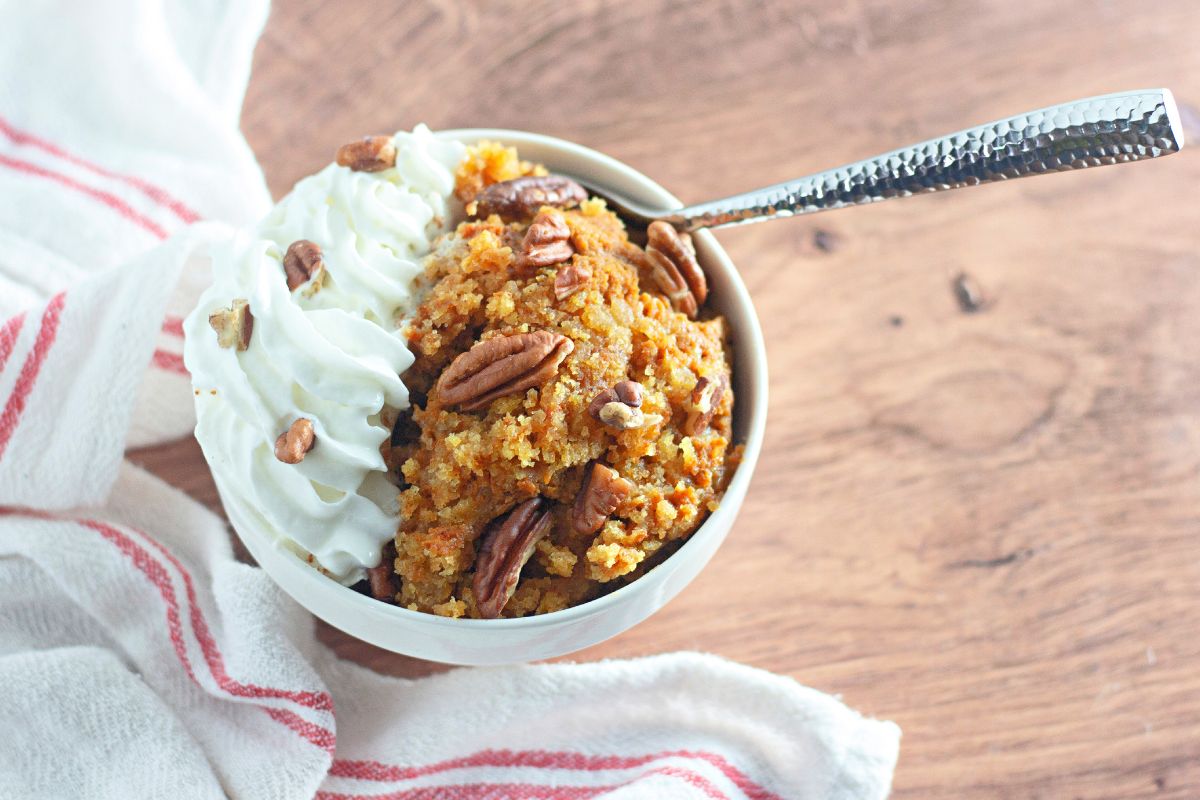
x: 982, y: 526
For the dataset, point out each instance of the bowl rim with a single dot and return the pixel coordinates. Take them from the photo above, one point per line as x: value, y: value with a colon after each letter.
x: 755, y: 349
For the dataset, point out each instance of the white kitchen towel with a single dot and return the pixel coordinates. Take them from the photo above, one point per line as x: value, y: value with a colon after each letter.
x: 138, y: 657
x: 112, y: 112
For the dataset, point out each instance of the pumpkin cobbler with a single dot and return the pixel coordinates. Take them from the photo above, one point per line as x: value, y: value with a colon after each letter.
x: 571, y: 404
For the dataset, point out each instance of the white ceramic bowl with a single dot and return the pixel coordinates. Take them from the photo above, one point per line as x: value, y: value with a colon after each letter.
x: 472, y: 641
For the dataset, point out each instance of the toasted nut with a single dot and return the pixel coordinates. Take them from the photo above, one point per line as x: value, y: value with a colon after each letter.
x: 678, y: 247
x: 602, y: 493
x: 706, y: 396
x: 667, y: 280
x: 382, y: 578
x: 368, y: 154
x: 294, y: 443
x: 630, y: 393
x: 570, y: 279
x: 520, y: 198
x: 548, y: 241
x: 502, y: 366
x: 506, y: 545
x: 622, y: 417
x: 675, y: 269
x: 620, y: 406
x: 302, y: 263
x: 233, y: 325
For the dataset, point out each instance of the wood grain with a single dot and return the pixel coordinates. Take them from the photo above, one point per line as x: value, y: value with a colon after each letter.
x: 982, y: 526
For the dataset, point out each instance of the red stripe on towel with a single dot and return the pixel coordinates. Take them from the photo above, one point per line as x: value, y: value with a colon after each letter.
x: 155, y: 193
x: 544, y: 759
x: 158, y: 575
x: 534, y: 791
x: 173, y: 326
x: 8, y: 337
x: 111, y: 200
x: 171, y: 362
x: 30, y: 370
x: 320, y: 701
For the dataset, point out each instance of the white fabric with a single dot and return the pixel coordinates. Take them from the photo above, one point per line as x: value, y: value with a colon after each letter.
x: 138, y: 658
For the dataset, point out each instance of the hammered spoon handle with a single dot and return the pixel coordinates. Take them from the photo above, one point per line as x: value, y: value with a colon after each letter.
x: 1109, y: 129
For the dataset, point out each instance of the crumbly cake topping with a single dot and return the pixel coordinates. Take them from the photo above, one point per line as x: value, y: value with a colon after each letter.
x: 572, y: 418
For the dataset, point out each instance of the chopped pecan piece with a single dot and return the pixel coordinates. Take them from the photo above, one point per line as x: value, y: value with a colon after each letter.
x: 570, y: 279
x: 506, y: 545
x: 520, y: 198
x: 368, y: 154
x: 630, y: 393
x: 602, y: 493
x: 294, y: 443
x: 382, y: 578
x: 501, y: 366
x: 233, y: 325
x: 620, y: 407
x: 706, y: 396
x: 623, y: 418
x: 548, y: 241
x: 303, y: 263
x: 674, y: 267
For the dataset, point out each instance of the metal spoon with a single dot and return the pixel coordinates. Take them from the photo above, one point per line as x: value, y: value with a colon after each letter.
x: 1110, y: 129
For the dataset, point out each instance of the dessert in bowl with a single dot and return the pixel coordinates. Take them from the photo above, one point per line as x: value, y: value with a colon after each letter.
x: 444, y: 377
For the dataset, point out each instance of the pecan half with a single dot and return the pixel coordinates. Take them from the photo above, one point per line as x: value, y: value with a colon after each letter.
x: 548, y: 241
x: 570, y: 279
x: 303, y: 263
x: 368, y: 154
x: 233, y: 325
x: 506, y: 545
x: 674, y: 267
x: 668, y: 281
x: 706, y: 396
x: 293, y: 444
x: 602, y: 493
x: 501, y: 366
x: 520, y: 198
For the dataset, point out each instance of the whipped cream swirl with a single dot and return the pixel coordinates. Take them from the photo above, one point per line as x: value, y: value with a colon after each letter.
x: 334, y: 357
